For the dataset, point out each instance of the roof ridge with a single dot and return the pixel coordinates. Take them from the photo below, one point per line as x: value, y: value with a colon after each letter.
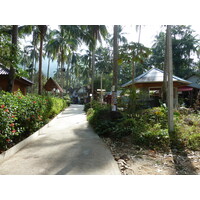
x: 140, y: 76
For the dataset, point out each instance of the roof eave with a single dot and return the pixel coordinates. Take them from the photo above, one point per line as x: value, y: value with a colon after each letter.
x: 128, y: 84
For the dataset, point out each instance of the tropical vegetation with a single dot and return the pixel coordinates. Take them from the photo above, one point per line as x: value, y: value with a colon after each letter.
x: 107, y: 59
x: 20, y: 115
x: 147, y: 127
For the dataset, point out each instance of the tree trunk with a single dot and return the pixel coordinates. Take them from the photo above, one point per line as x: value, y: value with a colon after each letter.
x: 62, y: 75
x: 133, y: 74
x: 11, y: 76
x: 40, y: 66
x: 67, y: 76
x: 101, y: 83
x: 92, y: 77
x: 43, y: 29
x: 170, y: 80
x: 164, y: 87
x: 115, y: 69
x: 48, y: 68
x: 57, y: 73
x: 62, y: 68
x: 33, y: 67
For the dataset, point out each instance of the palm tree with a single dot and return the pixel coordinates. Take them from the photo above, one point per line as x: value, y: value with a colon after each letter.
x: 96, y: 32
x: 121, y: 37
x: 49, y: 50
x: 165, y: 69
x: 25, y: 60
x: 63, y: 43
x: 170, y: 79
x: 42, y: 29
x: 35, y: 52
x: 13, y: 58
x: 115, y: 68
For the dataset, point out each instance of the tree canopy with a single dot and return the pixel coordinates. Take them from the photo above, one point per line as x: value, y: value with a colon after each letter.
x: 76, y: 67
x: 185, y: 46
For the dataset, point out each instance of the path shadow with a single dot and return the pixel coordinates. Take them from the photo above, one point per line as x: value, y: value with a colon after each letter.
x: 182, y: 162
x: 74, y: 151
x: 89, y: 155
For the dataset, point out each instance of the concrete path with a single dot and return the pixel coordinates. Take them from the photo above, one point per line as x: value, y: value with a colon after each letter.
x: 67, y: 146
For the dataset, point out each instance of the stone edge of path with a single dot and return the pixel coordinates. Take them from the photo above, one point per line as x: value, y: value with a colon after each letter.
x: 13, y: 150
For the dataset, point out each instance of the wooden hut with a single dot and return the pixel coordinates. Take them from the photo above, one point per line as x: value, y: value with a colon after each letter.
x: 20, y: 83
x: 53, y: 86
x: 189, y: 93
x: 152, y: 81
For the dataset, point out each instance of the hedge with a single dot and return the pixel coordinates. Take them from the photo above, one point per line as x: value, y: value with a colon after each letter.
x: 20, y: 115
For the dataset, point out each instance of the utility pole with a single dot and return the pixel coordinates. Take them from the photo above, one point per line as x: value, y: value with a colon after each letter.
x: 170, y: 80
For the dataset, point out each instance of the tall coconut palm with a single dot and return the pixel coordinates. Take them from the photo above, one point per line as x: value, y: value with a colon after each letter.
x: 25, y: 60
x: 121, y: 37
x: 42, y: 29
x: 96, y: 32
x: 165, y: 76
x: 170, y: 79
x: 115, y: 68
x: 49, y: 50
x: 34, y: 52
x: 13, y: 58
x: 63, y: 42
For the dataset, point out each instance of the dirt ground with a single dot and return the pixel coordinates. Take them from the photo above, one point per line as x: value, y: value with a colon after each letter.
x: 134, y: 160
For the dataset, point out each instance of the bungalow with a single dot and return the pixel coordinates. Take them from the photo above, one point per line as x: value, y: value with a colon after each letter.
x: 81, y: 95
x: 189, y: 93
x: 53, y: 86
x: 152, y: 81
x: 20, y: 83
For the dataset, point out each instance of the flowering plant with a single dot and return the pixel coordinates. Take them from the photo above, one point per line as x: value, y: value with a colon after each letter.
x: 21, y: 115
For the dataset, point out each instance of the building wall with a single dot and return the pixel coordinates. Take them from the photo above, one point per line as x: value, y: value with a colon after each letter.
x: 17, y: 85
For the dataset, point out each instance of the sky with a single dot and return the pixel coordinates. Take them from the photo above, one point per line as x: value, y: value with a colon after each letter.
x: 148, y: 33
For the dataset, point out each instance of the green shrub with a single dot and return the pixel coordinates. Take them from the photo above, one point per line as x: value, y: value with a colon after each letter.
x: 194, y: 142
x: 67, y: 99
x: 155, y: 115
x: 93, y: 104
x: 55, y: 105
x: 147, y: 128
x: 21, y: 115
x: 98, y: 114
x: 103, y: 120
x: 129, y: 126
x: 90, y: 113
x: 154, y: 137
x: 106, y: 128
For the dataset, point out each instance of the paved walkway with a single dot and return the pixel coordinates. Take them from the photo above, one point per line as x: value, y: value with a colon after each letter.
x: 67, y: 146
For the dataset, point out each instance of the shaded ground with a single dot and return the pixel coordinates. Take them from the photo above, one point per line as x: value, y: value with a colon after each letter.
x: 133, y: 160
x: 67, y: 146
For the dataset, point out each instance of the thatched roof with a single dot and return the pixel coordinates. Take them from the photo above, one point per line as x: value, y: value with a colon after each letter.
x: 51, y: 84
